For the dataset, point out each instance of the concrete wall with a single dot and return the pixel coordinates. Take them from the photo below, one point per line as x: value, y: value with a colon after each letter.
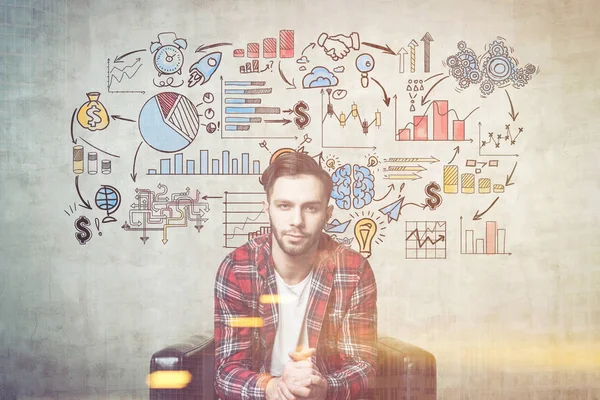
x: 82, y: 320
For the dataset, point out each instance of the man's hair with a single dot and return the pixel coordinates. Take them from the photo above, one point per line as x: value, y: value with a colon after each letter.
x: 292, y: 164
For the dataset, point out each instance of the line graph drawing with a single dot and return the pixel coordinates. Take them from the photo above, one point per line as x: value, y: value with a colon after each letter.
x: 244, y: 217
x: 119, y: 74
x: 495, y: 141
x: 425, y: 240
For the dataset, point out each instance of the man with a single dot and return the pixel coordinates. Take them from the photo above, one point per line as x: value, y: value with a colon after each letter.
x: 295, y: 312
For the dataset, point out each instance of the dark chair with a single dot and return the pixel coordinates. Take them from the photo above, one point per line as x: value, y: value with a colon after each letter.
x: 404, y: 371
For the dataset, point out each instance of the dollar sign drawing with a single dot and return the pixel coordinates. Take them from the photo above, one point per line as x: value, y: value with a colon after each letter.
x: 94, y: 118
x: 83, y: 234
x: 433, y: 200
x: 302, y: 118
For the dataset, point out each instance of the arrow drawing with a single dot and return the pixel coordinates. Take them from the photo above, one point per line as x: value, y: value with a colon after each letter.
x: 392, y: 187
x: 86, y: 204
x: 202, y: 48
x: 430, y: 160
x: 119, y: 59
x: 423, y: 98
x: 121, y: 118
x: 509, y: 177
x: 283, y: 121
x: 478, y: 216
x: 311, y: 45
x: 426, y: 51
x: 133, y: 175
x: 386, y: 99
x: 456, y: 151
x: 386, y: 49
x: 413, y: 44
x: 512, y: 108
x: 402, y: 53
x: 72, y: 121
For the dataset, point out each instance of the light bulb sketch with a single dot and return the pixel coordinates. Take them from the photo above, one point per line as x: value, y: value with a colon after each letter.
x: 364, y: 231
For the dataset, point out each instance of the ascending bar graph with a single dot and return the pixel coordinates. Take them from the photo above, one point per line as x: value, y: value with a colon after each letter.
x: 269, y: 47
x: 440, y: 131
x: 492, y: 241
x: 224, y: 165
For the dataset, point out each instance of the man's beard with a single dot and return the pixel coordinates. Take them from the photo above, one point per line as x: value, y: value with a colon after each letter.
x: 295, y: 249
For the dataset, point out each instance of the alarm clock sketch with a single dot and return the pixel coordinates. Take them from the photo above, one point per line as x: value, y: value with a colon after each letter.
x: 168, y: 54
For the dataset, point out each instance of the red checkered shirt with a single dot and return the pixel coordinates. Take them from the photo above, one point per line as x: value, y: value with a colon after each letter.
x: 341, y: 321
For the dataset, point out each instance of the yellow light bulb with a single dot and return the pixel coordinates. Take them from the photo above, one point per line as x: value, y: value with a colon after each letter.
x: 364, y: 231
x: 330, y: 163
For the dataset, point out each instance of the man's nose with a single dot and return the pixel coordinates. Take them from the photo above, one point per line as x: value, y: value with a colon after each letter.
x: 297, y: 217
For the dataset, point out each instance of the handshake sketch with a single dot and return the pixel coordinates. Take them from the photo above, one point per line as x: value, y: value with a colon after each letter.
x: 338, y: 46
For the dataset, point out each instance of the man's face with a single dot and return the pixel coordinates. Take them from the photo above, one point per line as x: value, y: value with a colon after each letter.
x: 298, y: 209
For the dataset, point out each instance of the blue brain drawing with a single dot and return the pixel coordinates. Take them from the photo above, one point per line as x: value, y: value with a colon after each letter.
x: 363, y: 188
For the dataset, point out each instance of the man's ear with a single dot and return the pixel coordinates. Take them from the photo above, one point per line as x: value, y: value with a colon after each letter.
x: 266, y: 207
x: 329, y: 212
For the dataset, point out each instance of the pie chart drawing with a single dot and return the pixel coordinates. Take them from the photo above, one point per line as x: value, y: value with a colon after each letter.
x: 169, y: 122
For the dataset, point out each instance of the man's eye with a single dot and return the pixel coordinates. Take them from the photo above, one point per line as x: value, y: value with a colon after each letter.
x: 311, y: 208
x: 284, y: 206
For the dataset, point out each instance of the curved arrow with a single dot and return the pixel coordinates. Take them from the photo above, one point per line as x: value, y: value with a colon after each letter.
x: 72, y: 121
x: 423, y: 102
x: 202, y: 48
x: 86, y: 204
x: 386, y: 99
x: 311, y: 45
x: 392, y: 187
x: 512, y: 108
x: 133, y: 174
x: 386, y: 49
x: 478, y: 216
x: 119, y: 59
x: 457, y: 150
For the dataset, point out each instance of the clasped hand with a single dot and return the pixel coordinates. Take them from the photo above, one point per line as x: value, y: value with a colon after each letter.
x: 300, y: 380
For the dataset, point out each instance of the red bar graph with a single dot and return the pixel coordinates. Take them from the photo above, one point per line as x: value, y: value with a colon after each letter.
x: 440, y: 131
x: 440, y: 120
x: 490, y: 237
x: 458, y: 130
x: 253, y: 50
x: 286, y: 43
x: 269, y: 48
x: 403, y: 134
x: 420, y: 122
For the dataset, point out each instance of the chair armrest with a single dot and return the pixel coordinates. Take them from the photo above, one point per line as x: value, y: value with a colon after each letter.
x: 195, y: 355
x: 405, y: 370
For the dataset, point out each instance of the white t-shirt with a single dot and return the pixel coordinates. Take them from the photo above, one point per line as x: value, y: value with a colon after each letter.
x: 291, y: 330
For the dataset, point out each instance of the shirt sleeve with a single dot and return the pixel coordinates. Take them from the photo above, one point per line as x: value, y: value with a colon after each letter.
x: 234, y: 378
x: 357, y: 345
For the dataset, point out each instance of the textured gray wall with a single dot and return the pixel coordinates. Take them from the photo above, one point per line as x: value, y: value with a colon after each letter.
x: 81, y: 321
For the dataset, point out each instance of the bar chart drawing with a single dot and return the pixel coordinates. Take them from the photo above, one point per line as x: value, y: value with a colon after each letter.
x: 242, y: 104
x: 425, y: 240
x: 244, y: 217
x: 439, y: 128
x: 467, y: 182
x: 493, y: 242
x: 269, y: 47
x: 225, y: 165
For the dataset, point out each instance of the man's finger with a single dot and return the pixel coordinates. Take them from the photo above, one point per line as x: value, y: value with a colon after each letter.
x: 284, y: 393
x: 302, y: 355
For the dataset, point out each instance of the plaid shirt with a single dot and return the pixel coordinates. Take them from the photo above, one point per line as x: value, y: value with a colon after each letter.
x: 341, y: 321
